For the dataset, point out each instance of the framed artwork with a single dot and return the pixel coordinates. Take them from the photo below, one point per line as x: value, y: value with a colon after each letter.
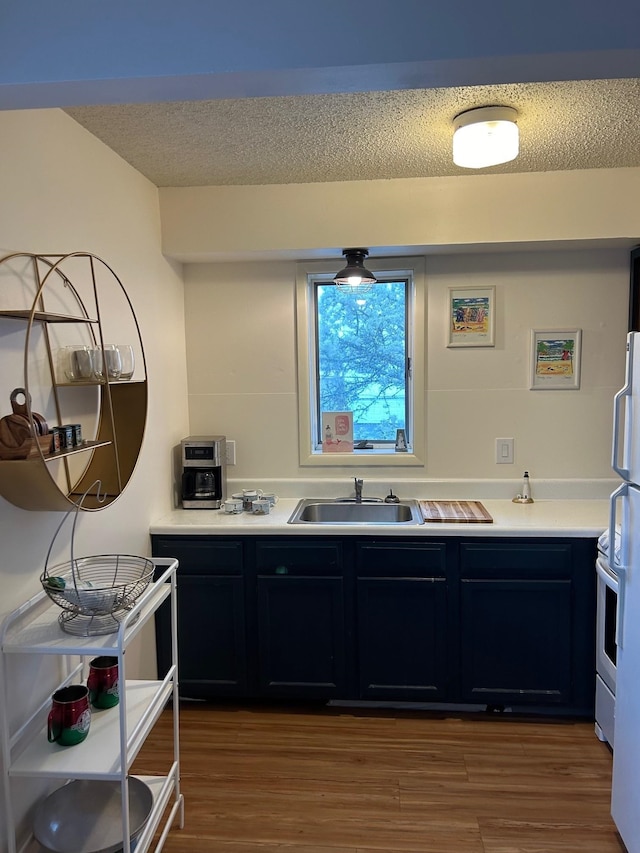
x: 555, y: 359
x: 471, y: 317
x: 337, y: 432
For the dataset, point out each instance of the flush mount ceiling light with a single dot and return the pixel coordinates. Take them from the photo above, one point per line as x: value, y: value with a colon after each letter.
x: 355, y: 274
x: 485, y: 137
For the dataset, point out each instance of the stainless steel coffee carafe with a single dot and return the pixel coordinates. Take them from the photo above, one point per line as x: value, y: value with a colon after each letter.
x: 205, y: 485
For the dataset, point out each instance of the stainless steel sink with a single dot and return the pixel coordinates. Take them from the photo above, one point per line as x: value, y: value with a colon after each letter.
x: 327, y: 511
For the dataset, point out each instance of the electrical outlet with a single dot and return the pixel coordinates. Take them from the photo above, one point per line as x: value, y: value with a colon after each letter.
x: 231, y: 452
x: 504, y: 451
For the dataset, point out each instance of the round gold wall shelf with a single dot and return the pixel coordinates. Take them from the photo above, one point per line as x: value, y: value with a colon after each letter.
x: 68, y: 300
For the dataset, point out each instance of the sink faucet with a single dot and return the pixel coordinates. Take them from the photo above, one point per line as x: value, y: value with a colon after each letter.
x: 358, y: 486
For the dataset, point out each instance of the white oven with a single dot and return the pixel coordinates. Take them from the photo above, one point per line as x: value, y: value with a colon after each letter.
x: 606, y: 649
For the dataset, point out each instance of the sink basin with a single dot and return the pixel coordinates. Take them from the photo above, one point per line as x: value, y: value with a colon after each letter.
x: 319, y: 511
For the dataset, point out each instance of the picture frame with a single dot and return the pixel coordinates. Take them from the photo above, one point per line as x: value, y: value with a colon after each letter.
x: 471, y: 316
x: 555, y: 359
x: 337, y: 432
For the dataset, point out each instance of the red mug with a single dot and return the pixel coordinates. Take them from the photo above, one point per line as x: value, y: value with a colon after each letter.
x: 103, y: 682
x: 70, y: 715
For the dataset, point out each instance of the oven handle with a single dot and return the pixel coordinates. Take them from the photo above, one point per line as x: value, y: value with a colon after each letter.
x: 617, y: 586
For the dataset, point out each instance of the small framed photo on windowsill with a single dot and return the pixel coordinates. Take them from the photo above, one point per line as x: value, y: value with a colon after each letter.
x: 337, y: 432
x: 555, y: 359
x: 471, y: 316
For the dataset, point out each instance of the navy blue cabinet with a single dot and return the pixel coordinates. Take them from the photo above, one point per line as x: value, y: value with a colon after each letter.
x: 301, y: 626
x: 401, y: 620
x: 487, y: 621
x: 301, y: 619
x: 527, y: 621
x: 212, y: 652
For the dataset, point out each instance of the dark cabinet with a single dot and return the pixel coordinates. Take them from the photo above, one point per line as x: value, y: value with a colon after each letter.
x: 483, y: 621
x: 401, y: 621
x: 516, y: 641
x: 526, y: 624
x: 212, y: 654
x: 300, y: 620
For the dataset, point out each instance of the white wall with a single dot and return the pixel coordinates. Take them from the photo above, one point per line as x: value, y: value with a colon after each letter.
x: 65, y: 191
x: 62, y: 190
x: 240, y: 322
x: 450, y: 213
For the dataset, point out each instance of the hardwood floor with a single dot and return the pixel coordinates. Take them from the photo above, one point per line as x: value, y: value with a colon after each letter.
x: 339, y: 780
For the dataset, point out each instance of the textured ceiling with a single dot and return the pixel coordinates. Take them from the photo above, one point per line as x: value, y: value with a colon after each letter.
x: 366, y: 136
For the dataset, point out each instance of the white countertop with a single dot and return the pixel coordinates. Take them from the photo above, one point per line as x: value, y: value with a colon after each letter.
x: 572, y: 518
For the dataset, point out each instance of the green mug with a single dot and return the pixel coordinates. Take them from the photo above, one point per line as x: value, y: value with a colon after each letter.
x: 103, y: 682
x: 70, y: 716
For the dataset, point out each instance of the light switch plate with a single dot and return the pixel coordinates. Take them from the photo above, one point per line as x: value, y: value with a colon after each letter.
x: 231, y: 452
x: 504, y: 451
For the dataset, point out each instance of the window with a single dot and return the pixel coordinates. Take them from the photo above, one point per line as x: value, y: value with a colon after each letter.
x: 362, y: 351
x: 361, y: 357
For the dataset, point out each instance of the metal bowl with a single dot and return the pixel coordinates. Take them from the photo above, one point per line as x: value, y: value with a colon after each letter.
x: 98, y: 585
x: 85, y: 816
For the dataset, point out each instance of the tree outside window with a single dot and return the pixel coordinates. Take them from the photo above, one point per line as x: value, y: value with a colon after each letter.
x: 361, y: 353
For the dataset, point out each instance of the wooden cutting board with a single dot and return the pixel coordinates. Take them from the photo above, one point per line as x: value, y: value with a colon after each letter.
x: 452, y: 511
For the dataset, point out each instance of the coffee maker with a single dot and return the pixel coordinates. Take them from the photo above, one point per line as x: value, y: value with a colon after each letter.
x: 204, y: 471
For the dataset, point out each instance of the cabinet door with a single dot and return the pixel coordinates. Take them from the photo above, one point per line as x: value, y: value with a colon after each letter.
x: 212, y: 646
x: 212, y: 658
x: 401, y: 638
x: 516, y: 641
x: 516, y: 624
x: 301, y: 622
x: 401, y: 614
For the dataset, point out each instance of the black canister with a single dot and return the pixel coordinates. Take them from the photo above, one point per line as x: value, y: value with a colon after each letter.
x: 66, y: 437
x: 57, y: 437
x: 77, y: 434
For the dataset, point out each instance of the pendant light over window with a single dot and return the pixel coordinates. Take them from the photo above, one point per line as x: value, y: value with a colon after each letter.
x: 355, y: 274
x: 485, y: 137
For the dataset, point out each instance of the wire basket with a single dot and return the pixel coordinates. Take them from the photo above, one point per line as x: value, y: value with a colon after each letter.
x: 94, y: 592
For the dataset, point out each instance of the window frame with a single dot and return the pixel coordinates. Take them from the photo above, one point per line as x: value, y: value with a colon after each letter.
x: 412, y: 268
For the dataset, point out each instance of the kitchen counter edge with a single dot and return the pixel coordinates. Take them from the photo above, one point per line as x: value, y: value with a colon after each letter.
x: 548, y: 518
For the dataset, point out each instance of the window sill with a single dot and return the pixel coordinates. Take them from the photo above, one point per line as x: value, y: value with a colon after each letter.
x: 361, y: 459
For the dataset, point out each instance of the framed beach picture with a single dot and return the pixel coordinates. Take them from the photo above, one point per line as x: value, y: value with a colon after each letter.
x: 555, y: 359
x: 471, y: 317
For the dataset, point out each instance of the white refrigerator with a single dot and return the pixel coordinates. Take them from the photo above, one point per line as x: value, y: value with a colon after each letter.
x: 625, y: 512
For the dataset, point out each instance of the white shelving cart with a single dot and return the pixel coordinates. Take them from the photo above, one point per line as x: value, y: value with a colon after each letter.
x: 116, y: 735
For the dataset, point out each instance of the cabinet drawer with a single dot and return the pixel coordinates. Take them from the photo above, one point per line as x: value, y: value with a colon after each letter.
x: 286, y: 557
x: 533, y: 560
x: 394, y: 559
x: 201, y: 556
